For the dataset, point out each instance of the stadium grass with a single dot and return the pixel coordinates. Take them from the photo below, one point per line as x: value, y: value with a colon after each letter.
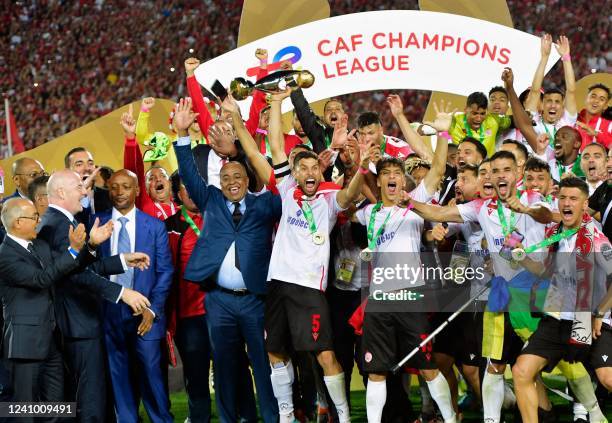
x: 358, y: 412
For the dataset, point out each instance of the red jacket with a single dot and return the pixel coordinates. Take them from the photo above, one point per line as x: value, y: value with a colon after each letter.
x: 598, y: 123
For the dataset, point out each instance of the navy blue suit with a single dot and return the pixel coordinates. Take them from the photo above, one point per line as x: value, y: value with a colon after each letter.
x: 233, y: 319
x: 123, y: 344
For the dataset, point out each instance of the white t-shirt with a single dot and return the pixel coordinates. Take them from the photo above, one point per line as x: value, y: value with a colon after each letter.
x: 402, y: 234
x: 551, y: 128
x: 295, y: 257
x: 485, y: 213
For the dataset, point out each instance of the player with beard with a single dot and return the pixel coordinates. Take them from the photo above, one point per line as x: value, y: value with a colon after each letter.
x: 579, y: 257
x: 593, y: 165
x: 296, y: 308
x: 498, y: 217
x: 566, y: 139
x: 155, y: 195
x: 600, y: 203
x: 558, y: 110
x: 520, y: 154
x: 592, y: 125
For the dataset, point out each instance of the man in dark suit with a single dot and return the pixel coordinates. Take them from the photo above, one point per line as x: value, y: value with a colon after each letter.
x: 81, y: 161
x: 137, y: 339
x: 231, y: 260
x: 78, y: 304
x: 29, y: 270
x: 24, y: 171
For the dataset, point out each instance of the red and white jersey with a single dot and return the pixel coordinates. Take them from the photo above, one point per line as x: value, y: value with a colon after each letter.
x: 395, y: 147
x: 295, y: 257
x: 161, y: 211
x: 402, y: 234
x: 485, y: 212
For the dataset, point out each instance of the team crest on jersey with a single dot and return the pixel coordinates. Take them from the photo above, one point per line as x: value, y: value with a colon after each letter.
x: 368, y: 357
x: 605, y: 358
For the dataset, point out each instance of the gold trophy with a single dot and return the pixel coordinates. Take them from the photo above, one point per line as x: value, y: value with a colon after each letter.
x: 240, y: 88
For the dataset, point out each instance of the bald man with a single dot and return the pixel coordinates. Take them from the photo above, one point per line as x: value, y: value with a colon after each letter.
x: 28, y: 271
x: 24, y: 171
x: 79, y: 297
x: 135, y: 341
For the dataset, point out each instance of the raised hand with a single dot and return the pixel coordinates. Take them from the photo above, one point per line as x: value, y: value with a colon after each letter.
x: 137, y: 302
x: 542, y: 142
x: 217, y: 136
x: 77, y: 237
x: 325, y: 158
x: 516, y: 205
x: 340, y: 135
x: 138, y: 260
x: 372, y: 150
x: 99, y: 234
x: 91, y: 179
x: 545, y: 45
x: 128, y: 123
x: 563, y: 46
x: 508, y: 77
x: 444, y: 117
x: 365, y: 155
x: 279, y: 95
x: 261, y: 54
x: 190, y: 66
x: 395, y: 104
x: 286, y: 65
x: 148, y: 103
x: 183, y: 116
x: 147, y: 322
x: 230, y: 105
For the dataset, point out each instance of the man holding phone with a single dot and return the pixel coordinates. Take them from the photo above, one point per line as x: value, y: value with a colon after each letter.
x: 504, y: 220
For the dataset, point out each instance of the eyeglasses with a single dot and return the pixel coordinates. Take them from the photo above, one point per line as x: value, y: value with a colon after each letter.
x: 35, y: 218
x: 33, y: 175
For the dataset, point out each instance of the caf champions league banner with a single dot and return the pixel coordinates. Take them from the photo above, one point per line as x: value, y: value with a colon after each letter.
x: 391, y: 49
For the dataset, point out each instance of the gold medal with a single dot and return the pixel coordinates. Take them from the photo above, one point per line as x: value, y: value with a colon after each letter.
x: 365, y: 254
x: 318, y: 238
x: 518, y: 254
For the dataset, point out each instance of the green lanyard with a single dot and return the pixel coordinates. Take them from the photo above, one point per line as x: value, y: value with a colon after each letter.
x: 551, y: 240
x: 383, y: 146
x: 190, y: 221
x: 468, y: 130
x: 507, y: 228
x: 550, y: 137
x: 576, y: 170
x: 268, y: 150
x: 307, y: 210
x: 371, y: 237
x: 327, y: 141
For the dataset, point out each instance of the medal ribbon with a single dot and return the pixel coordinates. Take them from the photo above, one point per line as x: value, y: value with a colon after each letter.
x: 371, y: 237
x: 383, y: 148
x: 468, y: 130
x: 190, y: 221
x: 551, y: 240
x: 307, y: 210
x: 507, y: 227
x: 551, y: 138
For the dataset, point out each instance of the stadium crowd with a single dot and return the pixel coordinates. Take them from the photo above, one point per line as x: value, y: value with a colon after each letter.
x: 282, y: 258
x: 121, y: 49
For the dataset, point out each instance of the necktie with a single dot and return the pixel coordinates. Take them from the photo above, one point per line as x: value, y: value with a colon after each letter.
x: 236, y: 216
x: 123, y: 246
x: 74, y: 223
x: 33, y: 252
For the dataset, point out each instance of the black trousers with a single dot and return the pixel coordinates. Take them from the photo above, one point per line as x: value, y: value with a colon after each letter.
x: 86, y: 380
x: 38, y: 380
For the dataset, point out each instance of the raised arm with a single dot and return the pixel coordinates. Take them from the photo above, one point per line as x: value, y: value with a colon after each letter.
x: 205, y: 120
x: 420, y: 147
x: 258, y: 161
x: 538, y: 77
x: 521, y: 120
x: 132, y: 156
x: 275, y: 127
x: 438, y: 165
x: 563, y: 48
x: 196, y: 186
x: 259, y: 98
x: 142, y: 124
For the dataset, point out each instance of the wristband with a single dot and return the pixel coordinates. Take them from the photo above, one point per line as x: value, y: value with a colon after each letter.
x: 144, y: 109
x: 363, y: 171
x: 73, y: 251
x: 566, y: 57
x: 263, y: 62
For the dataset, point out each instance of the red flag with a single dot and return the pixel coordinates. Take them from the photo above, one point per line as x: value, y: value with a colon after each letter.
x: 18, y: 146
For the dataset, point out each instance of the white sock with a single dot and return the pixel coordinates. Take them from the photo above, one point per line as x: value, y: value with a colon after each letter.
x: 440, y: 392
x: 492, y: 396
x: 282, y: 379
x: 585, y: 394
x: 580, y: 412
x: 337, y: 393
x: 376, y: 396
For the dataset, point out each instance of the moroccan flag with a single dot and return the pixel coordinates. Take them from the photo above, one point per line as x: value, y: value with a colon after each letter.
x: 16, y: 141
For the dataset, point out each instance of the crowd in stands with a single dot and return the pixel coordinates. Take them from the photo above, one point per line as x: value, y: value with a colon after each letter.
x: 116, y: 48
